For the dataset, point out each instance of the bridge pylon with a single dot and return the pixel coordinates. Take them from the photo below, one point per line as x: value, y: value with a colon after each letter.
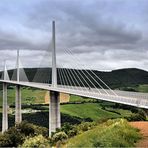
x: 54, y: 106
x: 18, y: 114
x: 54, y: 69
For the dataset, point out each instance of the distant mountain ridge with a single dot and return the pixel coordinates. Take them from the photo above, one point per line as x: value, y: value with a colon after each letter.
x: 114, y: 79
x: 125, y: 77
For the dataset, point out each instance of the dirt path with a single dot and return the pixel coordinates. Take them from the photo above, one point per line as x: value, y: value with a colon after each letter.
x: 143, y: 126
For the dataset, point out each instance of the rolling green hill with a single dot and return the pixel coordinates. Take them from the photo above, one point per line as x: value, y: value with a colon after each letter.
x: 115, y: 79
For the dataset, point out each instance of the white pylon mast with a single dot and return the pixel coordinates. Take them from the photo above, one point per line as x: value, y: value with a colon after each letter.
x: 5, y: 70
x: 54, y: 70
x: 18, y: 63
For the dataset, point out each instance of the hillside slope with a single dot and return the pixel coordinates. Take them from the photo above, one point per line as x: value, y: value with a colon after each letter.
x: 115, y: 79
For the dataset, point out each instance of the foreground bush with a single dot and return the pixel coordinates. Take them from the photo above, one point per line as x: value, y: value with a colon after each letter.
x: 139, y: 116
x: 85, y: 126
x: 29, y: 129
x: 114, y: 133
x: 16, y: 135
x: 11, y: 138
x: 58, y: 138
x: 37, y: 141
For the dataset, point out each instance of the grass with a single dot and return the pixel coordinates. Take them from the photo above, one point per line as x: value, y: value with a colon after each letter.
x: 114, y: 133
x: 143, y: 88
x: 139, y: 88
x: 74, y: 98
x: 92, y: 110
x: 29, y: 96
x: 35, y: 96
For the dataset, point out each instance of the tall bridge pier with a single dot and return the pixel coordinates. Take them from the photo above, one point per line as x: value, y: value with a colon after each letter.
x: 5, y: 106
x: 18, y: 114
x: 54, y: 112
x: 5, y: 109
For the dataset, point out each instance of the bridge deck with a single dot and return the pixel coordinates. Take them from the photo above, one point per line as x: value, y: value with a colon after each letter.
x: 129, y: 98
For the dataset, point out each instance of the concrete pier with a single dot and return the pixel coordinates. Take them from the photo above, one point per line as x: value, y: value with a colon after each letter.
x: 54, y: 112
x: 5, y: 109
x: 18, y: 114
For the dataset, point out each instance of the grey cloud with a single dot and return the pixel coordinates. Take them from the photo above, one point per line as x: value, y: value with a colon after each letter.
x: 81, y: 27
x: 12, y: 41
x: 78, y: 25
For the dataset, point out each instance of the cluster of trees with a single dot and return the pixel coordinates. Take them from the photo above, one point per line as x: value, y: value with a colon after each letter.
x: 29, y: 135
x: 16, y: 135
x: 139, y: 115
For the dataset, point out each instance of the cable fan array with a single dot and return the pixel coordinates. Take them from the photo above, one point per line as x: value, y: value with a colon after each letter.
x: 81, y: 79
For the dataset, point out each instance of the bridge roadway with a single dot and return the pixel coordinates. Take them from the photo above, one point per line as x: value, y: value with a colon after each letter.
x: 128, y: 98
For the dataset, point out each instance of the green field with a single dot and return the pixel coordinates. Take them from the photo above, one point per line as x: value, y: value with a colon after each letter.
x: 142, y: 88
x: 29, y: 96
x: 92, y: 110
x: 36, y: 96
x: 137, y: 88
x: 74, y: 98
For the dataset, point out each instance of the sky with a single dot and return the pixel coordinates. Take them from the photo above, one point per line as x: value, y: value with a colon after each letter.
x: 97, y: 34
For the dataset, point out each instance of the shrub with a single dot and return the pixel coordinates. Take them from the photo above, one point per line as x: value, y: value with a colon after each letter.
x: 15, y: 136
x: 142, y: 114
x: 29, y: 129
x: 59, y: 137
x: 66, y: 127
x: 26, y: 128
x: 11, y: 138
x: 84, y: 126
x: 139, y: 116
x: 37, y: 141
x: 3, y: 141
x: 72, y: 132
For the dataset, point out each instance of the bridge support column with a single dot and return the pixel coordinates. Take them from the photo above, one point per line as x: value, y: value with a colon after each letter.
x: 18, y: 114
x: 54, y: 112
x: 5, y: 109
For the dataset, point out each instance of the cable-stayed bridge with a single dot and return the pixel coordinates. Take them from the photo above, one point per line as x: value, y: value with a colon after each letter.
x: 74, y: 81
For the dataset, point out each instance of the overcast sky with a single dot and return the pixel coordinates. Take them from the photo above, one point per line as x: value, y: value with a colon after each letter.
x: 101, y: 34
